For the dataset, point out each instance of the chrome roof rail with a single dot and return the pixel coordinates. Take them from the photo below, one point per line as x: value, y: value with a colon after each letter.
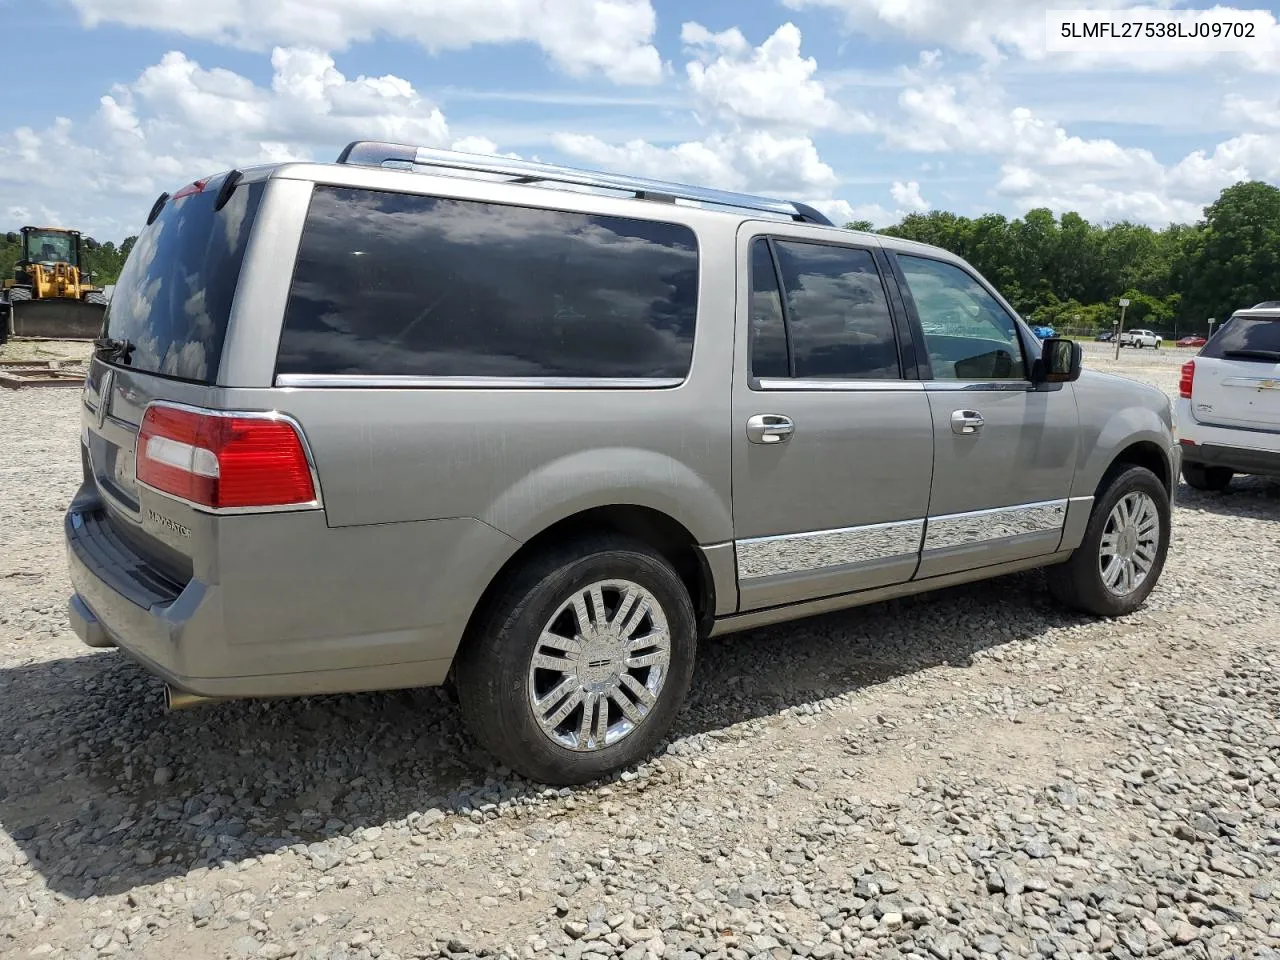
x: 376, y: 153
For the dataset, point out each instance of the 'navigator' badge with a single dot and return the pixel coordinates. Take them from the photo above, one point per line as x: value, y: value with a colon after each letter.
x: 173, y: 526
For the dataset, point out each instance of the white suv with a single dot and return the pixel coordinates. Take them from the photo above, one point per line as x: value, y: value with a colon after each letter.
x: 1228, y: 408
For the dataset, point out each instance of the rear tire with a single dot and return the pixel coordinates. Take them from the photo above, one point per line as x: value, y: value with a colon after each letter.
x: 526, y: 662
x: 19, y: 293
x: 1089, y: 581
x: 96, y: 297
x: 1209, y: 479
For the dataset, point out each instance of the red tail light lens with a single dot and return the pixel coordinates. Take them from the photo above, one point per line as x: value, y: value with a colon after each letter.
x: 1188, y: 379
x: 224, y: 461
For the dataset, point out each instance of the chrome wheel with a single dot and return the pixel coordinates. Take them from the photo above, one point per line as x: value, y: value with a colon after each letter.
x: 599, y: 665
x: 1130, y: 543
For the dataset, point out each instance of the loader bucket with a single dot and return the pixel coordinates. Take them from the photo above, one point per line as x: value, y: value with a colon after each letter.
x: 56, y: 319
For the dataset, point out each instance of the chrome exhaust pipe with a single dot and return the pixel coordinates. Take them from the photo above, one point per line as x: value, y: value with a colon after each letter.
x: 181, y: 700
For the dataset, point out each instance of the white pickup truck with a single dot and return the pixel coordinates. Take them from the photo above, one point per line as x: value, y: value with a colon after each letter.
x: 1228, y: 408
x: 1140, y: 339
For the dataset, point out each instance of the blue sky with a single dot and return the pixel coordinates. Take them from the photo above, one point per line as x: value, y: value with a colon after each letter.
x: 867, y: 108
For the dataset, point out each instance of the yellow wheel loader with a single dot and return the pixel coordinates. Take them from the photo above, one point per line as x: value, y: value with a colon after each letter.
x: 50, y: 295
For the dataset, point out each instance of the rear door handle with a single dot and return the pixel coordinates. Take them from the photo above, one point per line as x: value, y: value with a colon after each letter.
x: 966, y: 423
x: 769, y: 428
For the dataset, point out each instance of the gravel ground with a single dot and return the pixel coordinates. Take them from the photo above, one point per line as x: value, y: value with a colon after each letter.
x: 972, y: 774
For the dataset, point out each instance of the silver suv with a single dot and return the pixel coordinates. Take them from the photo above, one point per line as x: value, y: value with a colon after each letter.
x: 422, y: 418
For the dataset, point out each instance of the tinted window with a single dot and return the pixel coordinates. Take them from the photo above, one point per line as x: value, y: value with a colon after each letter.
x: 837, y: 313
x: 173, y: 299
x: 389, y: 283
x: 968, y: 334
x: 768, y: 333
x: 1246, y: 338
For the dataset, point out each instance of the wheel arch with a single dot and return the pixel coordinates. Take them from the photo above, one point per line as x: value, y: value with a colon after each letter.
x: 1141, y: 453
x: 668, y: 537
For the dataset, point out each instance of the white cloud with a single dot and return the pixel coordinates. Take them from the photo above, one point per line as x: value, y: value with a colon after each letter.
x: 1042, y: 164
x: 1253, y: 113
x: 759, y: 103
x: 907, y: 195
x: 582, y: 37
x: 995, y: 29
x: 771, y: 84
x: 757, y: 161
x: 178, y: 121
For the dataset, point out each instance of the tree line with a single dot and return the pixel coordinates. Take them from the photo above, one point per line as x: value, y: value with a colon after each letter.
x: 1066, y: 272
x: 104, y: 260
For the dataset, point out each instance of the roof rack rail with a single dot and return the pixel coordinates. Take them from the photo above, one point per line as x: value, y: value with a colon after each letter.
x: 376, y: 153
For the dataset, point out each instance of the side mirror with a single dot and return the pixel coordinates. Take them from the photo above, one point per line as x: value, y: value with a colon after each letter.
x: 1060, y: 361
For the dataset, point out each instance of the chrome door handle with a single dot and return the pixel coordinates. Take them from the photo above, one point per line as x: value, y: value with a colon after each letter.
x: 769, y: 428
x: 965, y: 423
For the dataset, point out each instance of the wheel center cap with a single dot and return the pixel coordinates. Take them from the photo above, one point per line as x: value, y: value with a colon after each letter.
x: 598, y: 668
x: 1128, y: 541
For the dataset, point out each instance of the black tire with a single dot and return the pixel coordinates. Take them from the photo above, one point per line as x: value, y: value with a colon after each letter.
x: 19, y: 293
x: 1078, y: 583
x: 493, y: 667
x: 96, y: 297
x: 1210, y: 479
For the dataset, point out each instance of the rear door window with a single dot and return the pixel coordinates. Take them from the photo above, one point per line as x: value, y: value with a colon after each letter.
x: 173, y: 299
x: 837, y: 314
x: 399, y: 284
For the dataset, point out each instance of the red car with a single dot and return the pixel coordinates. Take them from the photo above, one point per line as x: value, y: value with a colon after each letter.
x: 1192, y: 341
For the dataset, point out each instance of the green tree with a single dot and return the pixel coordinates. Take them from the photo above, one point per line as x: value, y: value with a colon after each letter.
x: 1233, y: 260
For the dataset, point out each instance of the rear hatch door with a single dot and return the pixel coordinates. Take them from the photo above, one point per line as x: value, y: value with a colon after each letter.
x: 1237, y: 378
x: 163, y: 339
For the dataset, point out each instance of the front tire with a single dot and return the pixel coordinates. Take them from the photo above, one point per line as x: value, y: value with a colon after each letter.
x: 1118, y: 563
x: 581, y: 662
x: 1209, y: 479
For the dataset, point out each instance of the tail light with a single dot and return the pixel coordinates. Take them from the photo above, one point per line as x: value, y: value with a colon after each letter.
x: 1188, y: 379
x: 224, y: 461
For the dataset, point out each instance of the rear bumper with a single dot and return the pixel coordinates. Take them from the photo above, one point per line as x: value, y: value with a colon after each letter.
x: 1263, y: 463
x: 301, y: 608
x: 1244, y: 451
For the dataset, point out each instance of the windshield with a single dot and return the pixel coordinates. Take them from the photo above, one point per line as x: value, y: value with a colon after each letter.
x: 172, y: 302
x: 49, y: 247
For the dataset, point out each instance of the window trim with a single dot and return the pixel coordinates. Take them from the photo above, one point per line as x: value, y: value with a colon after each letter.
x: 925, y: 364
x: 818, y: 384
x: 445, y: 381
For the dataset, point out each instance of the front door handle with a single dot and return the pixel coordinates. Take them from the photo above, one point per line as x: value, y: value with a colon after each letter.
x: 769, y: 428
x: 966, y: 423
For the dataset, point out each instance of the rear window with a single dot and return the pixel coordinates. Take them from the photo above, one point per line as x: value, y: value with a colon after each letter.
x: 173, y: 299
x: 1246, y: 338
x: 397, y: 284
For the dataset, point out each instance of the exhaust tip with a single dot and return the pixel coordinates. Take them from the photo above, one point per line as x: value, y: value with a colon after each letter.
x: 181, y: 700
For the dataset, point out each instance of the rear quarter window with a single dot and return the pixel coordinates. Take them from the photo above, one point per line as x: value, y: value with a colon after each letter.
x: 399, y: 284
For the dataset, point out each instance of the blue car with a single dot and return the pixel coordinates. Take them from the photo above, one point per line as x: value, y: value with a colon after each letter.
x: 1044, y: 333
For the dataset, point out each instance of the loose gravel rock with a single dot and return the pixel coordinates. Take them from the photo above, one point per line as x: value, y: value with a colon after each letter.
x: 972, y: 774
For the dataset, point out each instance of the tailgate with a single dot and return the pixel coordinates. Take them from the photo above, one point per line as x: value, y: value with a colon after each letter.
x: 163, y: 340
x: 1237, y: 376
